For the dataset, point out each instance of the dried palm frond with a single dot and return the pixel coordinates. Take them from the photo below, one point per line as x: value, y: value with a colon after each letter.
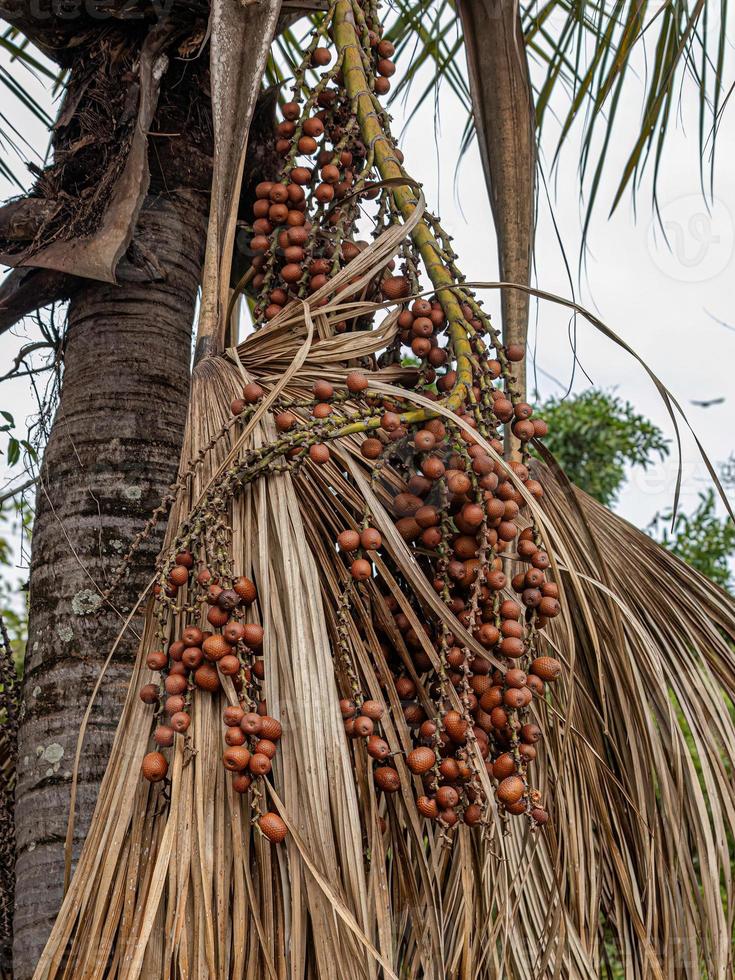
x: 638, y: 757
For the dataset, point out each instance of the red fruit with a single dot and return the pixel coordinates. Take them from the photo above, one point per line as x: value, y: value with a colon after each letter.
x: 271, y: 825
x: 154, y: 767
x: 236, y: 758
x: 421, y: 760
x: 427, y: 807
x: 149, y: 693
x: 510, y: 790
x: 270, y: 728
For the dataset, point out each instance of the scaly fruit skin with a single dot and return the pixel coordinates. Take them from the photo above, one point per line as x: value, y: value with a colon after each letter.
x: 154, y: 767
x: 273, y: 827
x: 421, y: 760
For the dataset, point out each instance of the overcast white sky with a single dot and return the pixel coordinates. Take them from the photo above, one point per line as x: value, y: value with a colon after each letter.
x: 663, y: 301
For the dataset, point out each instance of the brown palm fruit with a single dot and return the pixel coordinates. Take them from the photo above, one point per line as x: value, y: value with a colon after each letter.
x: 284, y: 422
x: 207, y: 678
x: 233, y: 631
x: 322, y: 389
x: 252, y: 392
x: 347, y: 708
x: 549, y: 607
x: 180, y: 721
x: 236, y: 758
x: 348, y: 540
x: 363, y: 727
x: 377, y: 747
x: 234, y: 736
x: 455, y: 726
x: 370, y: 539
x: 395, y: 287
x: 266, y: 747
x: 192, y: 636
x: 149, y: 693
x: 233, y: 715
x: 192, y: 658
x: 472, y: 814
x: 215, y: 647
x: 229, y: 665
x: 361, y: 570
x: 217, y: 617
x: 253, y: 635
x: 504, y: 766
x: 536, y: 685
x: 420, y: 760
x: 427, y: 807
x: 260, y: 764
x: 154, y: 767
x: 270, y: 728
x: 530, y: 734
x: 371, y: 448
x: 372, y: 709
x: 510, y: 789
x: 547, y: 668
x: 446, y: 796
x: 449, y: 769
x: 356, y: 382
x: 156, y: 660
x: 272, y: 826
x: 164, y: 736
x: 178, y: 575
x: 173, y: 704
x: 387, y: 779
x: 176, y: 650
x: 499, y: 718
x: 252, y: 723
x: 512, y: 647
x: 514, y: 677
x: 241, y: 782
x: 174, y: 684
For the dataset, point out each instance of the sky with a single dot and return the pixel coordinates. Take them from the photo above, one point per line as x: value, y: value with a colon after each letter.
x: 672, y: 303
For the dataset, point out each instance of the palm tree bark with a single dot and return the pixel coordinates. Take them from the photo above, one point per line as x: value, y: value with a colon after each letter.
x: 112, y: 451
x: 504, y: 118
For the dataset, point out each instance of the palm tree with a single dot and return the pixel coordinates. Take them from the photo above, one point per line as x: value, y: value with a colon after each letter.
x: 161, y: 236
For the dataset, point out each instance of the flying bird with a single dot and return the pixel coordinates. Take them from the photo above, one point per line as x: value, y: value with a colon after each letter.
x: 707, y: 404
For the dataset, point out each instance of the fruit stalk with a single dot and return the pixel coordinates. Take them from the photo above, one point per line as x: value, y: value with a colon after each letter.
x: 356, y: 84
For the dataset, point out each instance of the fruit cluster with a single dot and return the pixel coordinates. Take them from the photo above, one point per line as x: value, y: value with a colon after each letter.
x: 199, y: 658
x: 303, y: 225
x: 448, y: 454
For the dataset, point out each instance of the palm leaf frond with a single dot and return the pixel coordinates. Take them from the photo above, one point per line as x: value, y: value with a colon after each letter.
x: 586, y: 56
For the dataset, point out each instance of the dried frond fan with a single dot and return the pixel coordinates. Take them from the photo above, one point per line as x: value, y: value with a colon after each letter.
x: 394, y: 714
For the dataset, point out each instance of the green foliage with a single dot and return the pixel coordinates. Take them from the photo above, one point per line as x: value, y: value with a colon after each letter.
x: 15, y: 520
x: 15, y: 523
x: 595, y: 435
x: 15, y: 445
x: 702, y: 539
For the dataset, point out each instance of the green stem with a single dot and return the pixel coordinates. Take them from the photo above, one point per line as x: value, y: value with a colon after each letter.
x: 350, y: 52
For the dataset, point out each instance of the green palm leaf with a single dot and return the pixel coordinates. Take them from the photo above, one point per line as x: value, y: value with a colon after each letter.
x: 12, y: 78
x: 585, y: 54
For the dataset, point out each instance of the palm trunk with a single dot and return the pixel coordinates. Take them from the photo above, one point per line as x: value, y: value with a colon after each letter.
x: 112, y: 452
